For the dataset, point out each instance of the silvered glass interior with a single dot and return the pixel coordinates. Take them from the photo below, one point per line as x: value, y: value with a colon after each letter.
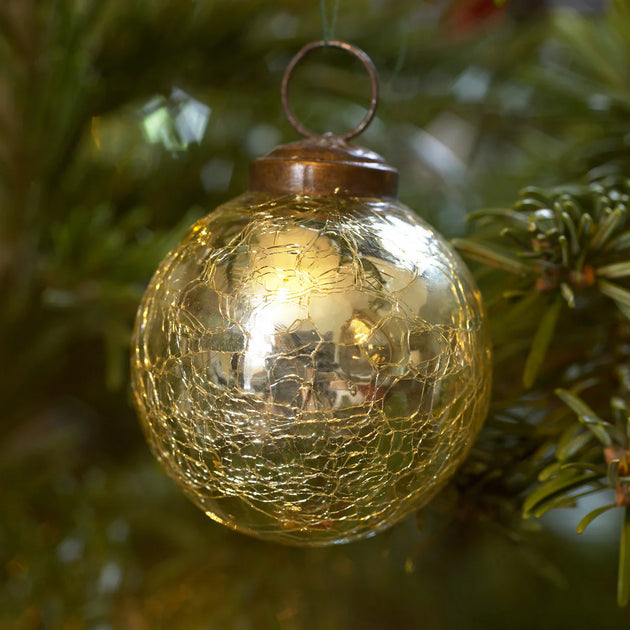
x: 311, y: 369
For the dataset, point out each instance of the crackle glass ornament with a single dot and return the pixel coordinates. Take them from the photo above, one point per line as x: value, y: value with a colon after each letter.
x: 311, y: 362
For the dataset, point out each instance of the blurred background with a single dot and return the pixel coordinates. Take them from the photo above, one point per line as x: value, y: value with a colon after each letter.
x: 122, y: 123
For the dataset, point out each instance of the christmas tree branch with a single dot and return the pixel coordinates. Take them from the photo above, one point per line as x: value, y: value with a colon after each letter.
x: 561, y: 249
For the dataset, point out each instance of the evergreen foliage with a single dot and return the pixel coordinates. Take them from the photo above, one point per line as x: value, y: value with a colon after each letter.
x: 92, y: 197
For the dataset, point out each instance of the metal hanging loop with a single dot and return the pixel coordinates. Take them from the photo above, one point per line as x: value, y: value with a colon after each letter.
x: 325, y: 164
x: 353, y: 50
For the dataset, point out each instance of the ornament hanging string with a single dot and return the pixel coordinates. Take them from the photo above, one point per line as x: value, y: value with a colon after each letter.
x: 367, y: 64
x: 328, y: 26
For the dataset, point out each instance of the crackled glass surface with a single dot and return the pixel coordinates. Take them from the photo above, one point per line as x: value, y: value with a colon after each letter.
x: 310, y: 369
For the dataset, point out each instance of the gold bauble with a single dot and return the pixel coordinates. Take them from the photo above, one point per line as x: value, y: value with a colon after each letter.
x: 311, y: 369
x: 311, y: 362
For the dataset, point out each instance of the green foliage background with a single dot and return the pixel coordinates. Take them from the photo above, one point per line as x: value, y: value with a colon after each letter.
x: 93, y: 535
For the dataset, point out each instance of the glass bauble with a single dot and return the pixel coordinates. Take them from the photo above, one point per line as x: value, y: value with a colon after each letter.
x: 311, y: 369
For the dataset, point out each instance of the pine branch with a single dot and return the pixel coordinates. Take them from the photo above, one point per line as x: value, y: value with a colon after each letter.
x: 564, y: 249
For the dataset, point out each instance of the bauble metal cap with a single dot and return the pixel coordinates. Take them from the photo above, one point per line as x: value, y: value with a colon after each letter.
x: 324, y: 165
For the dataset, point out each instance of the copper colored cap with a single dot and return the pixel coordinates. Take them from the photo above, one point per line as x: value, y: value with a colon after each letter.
x: 324, y: 165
